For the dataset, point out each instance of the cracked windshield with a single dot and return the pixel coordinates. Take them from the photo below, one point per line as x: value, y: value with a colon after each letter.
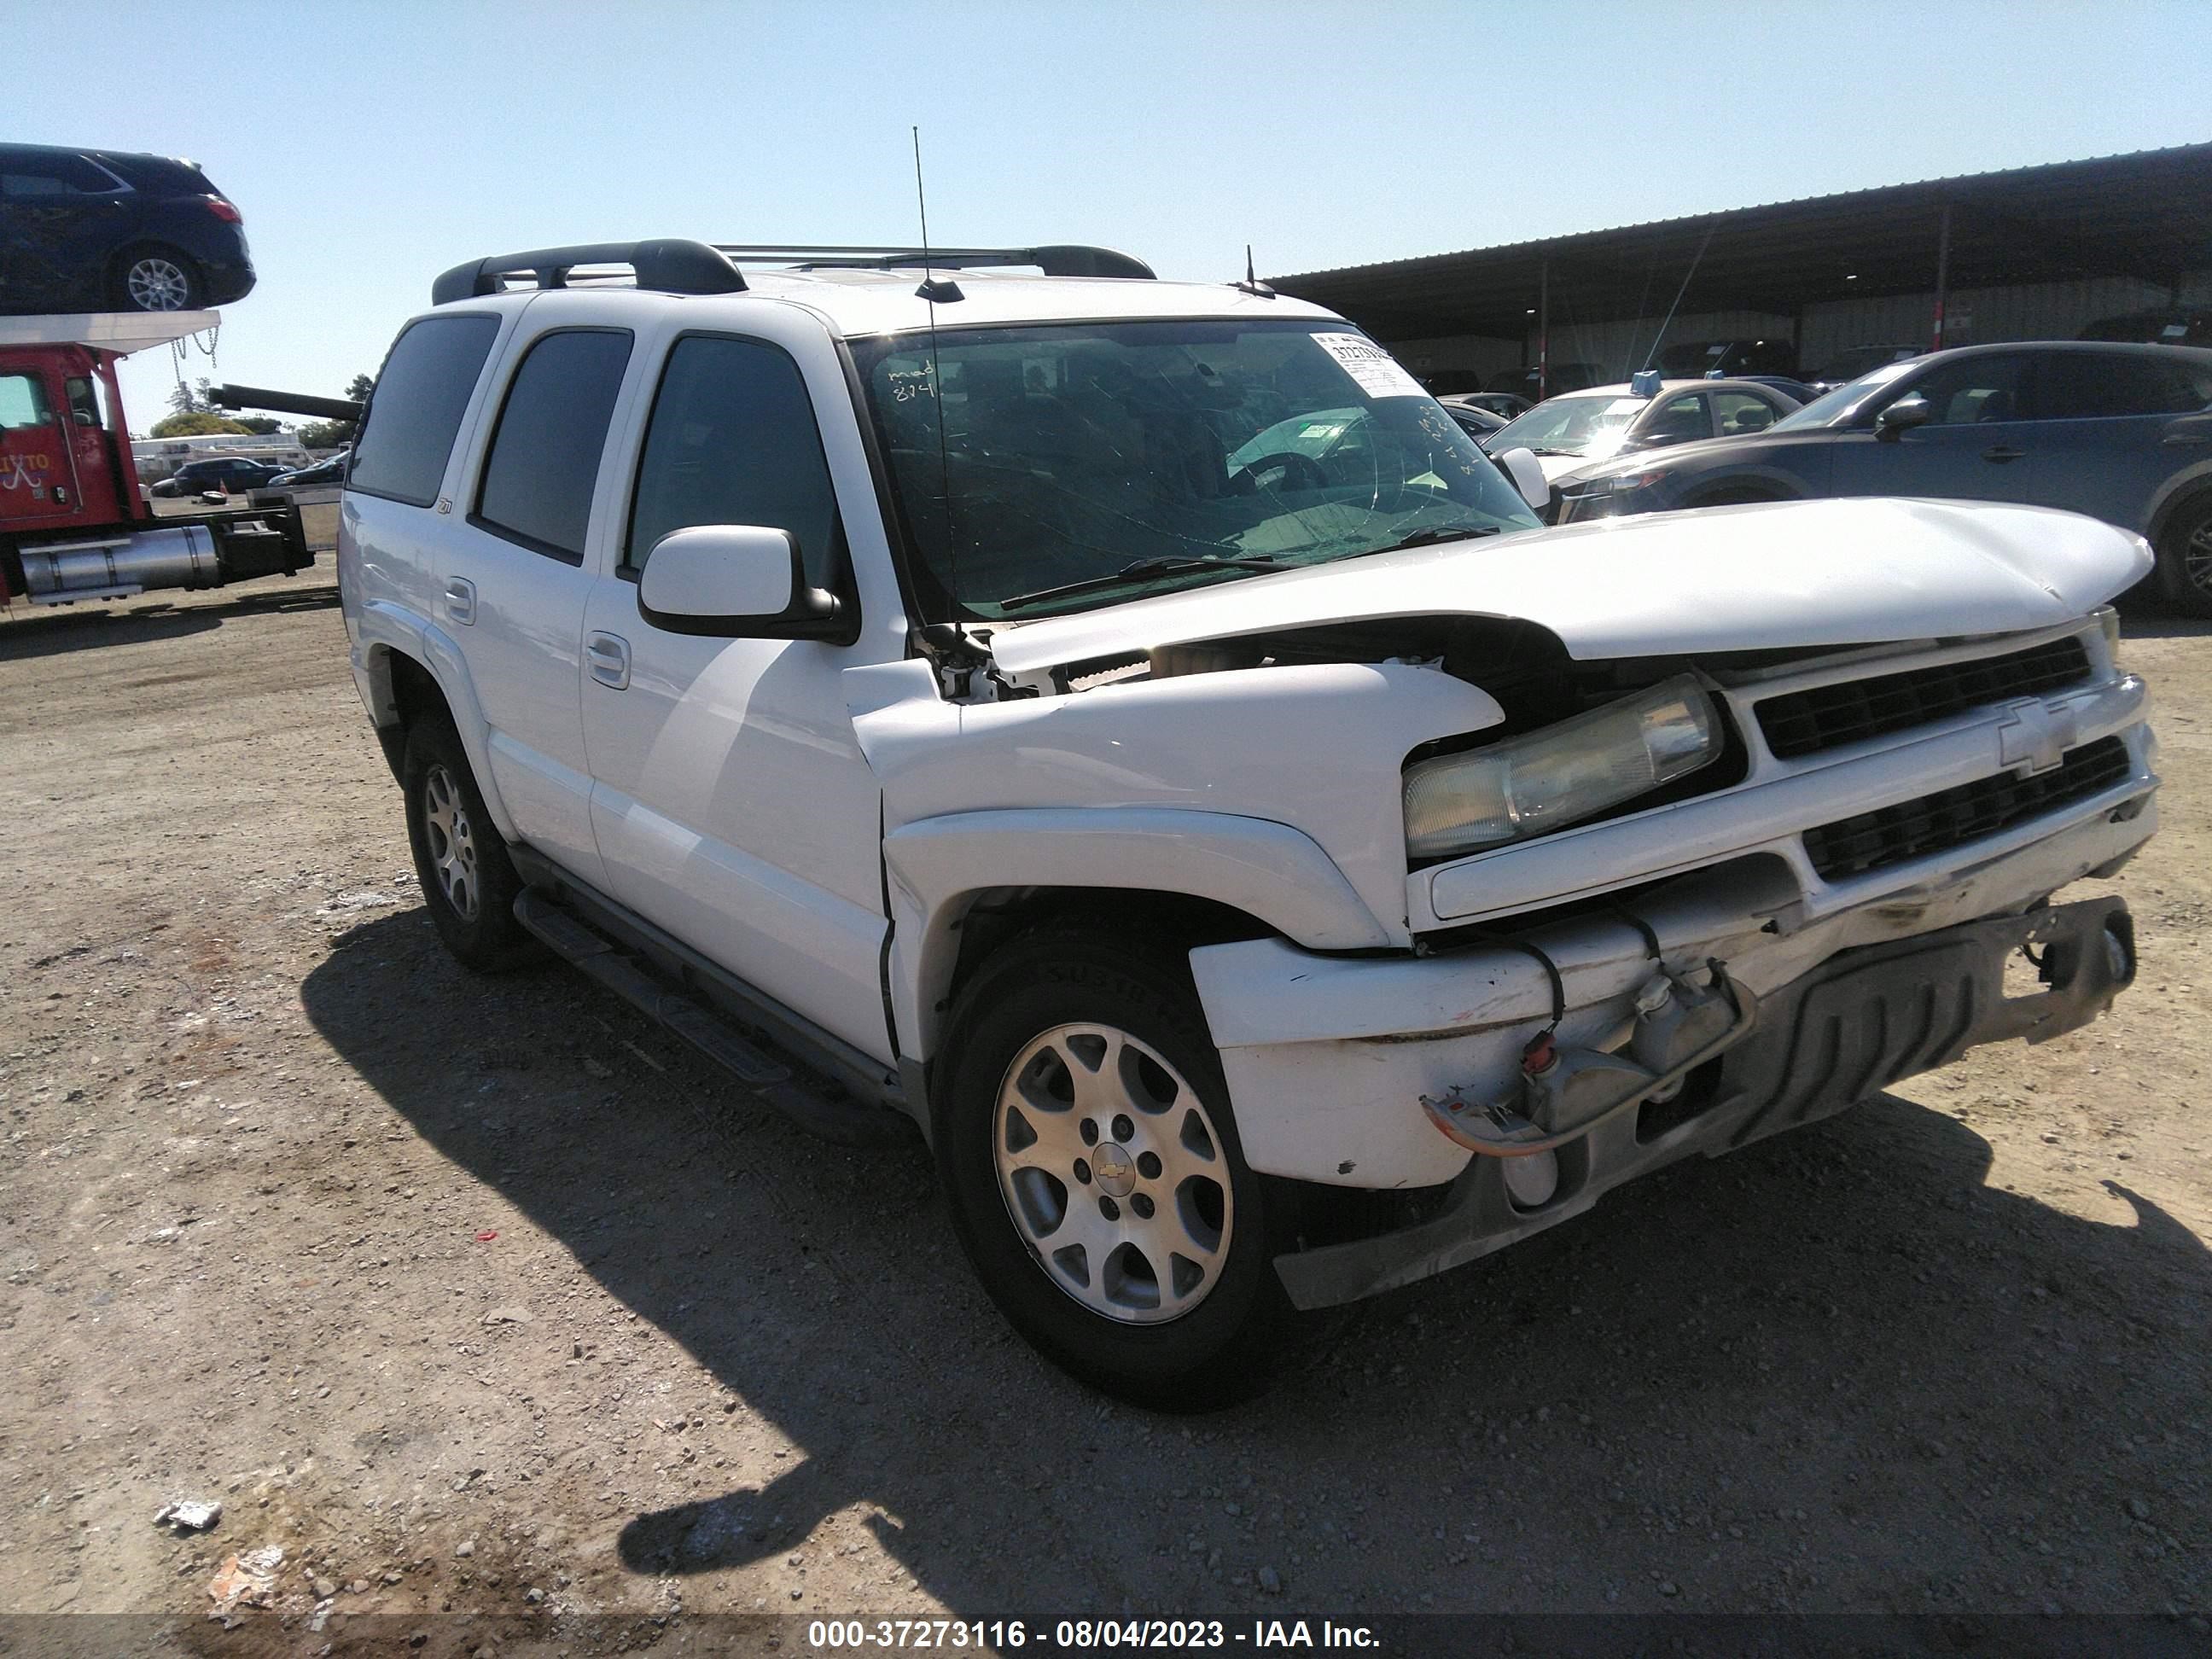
x: 1084, y: 465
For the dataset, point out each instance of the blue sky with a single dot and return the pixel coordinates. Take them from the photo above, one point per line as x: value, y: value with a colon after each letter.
x: 372, y: 146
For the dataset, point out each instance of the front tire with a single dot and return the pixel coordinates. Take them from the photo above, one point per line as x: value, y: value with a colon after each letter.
x: 2185, y: 559
x: 1097, y: 1180
x: 469, y: 883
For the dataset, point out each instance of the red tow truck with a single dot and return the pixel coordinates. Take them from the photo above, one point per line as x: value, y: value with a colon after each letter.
x: 74, y: 522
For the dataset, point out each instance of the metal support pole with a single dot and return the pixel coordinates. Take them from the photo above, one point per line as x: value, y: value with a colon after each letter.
x: 1543, y: 331
x: 1942, y: 275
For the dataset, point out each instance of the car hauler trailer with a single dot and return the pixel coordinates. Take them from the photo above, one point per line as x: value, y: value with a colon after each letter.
x: 74, y: 523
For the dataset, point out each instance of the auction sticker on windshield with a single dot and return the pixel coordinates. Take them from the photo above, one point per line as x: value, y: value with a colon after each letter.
x: 1374, y: 370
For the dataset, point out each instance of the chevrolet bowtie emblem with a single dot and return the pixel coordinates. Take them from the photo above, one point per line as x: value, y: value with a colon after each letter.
x: 2036, y: 735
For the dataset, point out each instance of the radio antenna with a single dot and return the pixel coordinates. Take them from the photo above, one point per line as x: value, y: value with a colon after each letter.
x: 931, y: 292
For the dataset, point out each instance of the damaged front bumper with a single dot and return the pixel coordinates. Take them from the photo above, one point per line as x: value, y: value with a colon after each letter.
x: 1860, y: 1022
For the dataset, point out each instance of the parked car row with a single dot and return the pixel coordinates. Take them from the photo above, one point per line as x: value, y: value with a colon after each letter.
x: 229, y: 474
x: 1648, y: 413
x: 2120, y: 432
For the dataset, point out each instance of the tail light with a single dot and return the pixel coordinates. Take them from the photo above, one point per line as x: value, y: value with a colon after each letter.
x: 223, y: 211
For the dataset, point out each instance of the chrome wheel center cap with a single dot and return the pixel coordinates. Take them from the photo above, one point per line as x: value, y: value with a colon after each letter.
x: 1115, y: 1170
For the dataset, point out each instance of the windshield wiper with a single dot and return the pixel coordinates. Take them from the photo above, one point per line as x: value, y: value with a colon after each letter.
x: 1137, y: 571
x: 1437, y: 534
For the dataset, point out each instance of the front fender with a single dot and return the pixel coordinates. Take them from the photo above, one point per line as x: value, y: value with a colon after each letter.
x: 383, y: 630
x: 1269, y: 871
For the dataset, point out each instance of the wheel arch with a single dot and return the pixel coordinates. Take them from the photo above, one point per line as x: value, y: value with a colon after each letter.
x: 406, y: 674
x: 961, y: 886
x: 119, y: 262
x: 2180, y: 494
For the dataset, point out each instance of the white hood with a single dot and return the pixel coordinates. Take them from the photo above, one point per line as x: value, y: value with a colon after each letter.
x: 1855, y: 572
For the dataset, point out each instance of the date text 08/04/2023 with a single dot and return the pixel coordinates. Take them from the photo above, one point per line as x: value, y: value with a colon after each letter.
x: 1070, y: 1634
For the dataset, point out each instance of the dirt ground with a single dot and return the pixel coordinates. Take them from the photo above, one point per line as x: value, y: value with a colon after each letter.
x: 481, y: 1295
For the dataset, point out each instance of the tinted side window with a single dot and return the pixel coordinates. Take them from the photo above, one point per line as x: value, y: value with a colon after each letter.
x: 421, y: 395
x: 50, y: 177
x: 1973, y: 390
x: 544, y: 458
x: 2075, y: 385
x: 733, y: 440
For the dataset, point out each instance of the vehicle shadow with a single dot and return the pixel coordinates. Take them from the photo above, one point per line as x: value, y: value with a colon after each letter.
x: 1835, y: 1370
x: 46, y: 632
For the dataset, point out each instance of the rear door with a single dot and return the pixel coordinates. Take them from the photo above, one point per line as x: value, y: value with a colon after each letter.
x: 2117, y: 425
x: 1980, y: 443
x: 64, y: 215
x: 514, y: 582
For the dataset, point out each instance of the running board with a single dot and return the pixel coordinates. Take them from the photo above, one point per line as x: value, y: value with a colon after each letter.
x: 597, y: 956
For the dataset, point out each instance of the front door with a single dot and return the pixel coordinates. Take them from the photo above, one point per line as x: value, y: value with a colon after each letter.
x: 731, y: 799
x: 1981, y: 443
x: 35, y: 492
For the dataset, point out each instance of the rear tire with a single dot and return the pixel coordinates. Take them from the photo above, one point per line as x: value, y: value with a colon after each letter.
x: 2185, y: 559
x: 1164, y: 1293
x: 156, y: 278
x: 469, y: 883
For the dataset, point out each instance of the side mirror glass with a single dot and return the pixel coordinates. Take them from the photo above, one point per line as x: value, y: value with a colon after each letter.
x: 733, y: 580
x: 1901, y: 417
x: 1528, y: 475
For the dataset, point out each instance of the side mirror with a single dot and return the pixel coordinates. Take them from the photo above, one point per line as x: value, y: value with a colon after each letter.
x: 1901, y: 417
x: 738, y: 581
x: 1528, y: 475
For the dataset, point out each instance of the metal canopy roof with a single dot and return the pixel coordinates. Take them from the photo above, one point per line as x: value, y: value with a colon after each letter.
x: 2147, y: 215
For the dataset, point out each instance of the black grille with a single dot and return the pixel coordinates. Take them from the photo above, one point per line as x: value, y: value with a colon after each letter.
x: 1828, y: 716
x: 1951, y: 818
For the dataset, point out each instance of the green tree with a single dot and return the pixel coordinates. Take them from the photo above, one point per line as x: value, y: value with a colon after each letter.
x: 336, y: 435
x: 195, y: 424
x: 261, y: 425
x: 326, y: 434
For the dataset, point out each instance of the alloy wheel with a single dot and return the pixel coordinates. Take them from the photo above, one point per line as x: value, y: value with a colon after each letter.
x: 1114, y: 1173
x: 2196, y: 558
x: 452, y: 841
x: 156, y: 283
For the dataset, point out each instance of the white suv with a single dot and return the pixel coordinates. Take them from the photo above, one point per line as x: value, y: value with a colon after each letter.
x: 1129, y: 730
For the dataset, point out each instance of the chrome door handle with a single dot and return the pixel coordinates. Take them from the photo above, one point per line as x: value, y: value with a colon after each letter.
x: 607, y: 655
x: 461, y: 601
x: 2002, y: 453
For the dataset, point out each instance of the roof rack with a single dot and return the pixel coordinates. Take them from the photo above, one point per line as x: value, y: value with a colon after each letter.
x: 1053, y: 259
x: 676, y: 265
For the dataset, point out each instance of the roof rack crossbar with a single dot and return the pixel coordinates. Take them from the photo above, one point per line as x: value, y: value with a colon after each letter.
x: 1055, y: 259
x: 671, y: 265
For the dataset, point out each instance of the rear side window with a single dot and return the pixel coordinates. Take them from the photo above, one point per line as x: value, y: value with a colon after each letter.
x: 733, y: 440
x: 544, y: 458
x: 420, y: 396
x: 2076, y: 386
x: 55, y: 175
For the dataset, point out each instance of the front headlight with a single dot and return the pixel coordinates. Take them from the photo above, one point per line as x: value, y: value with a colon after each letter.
x: 1561, y: 774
